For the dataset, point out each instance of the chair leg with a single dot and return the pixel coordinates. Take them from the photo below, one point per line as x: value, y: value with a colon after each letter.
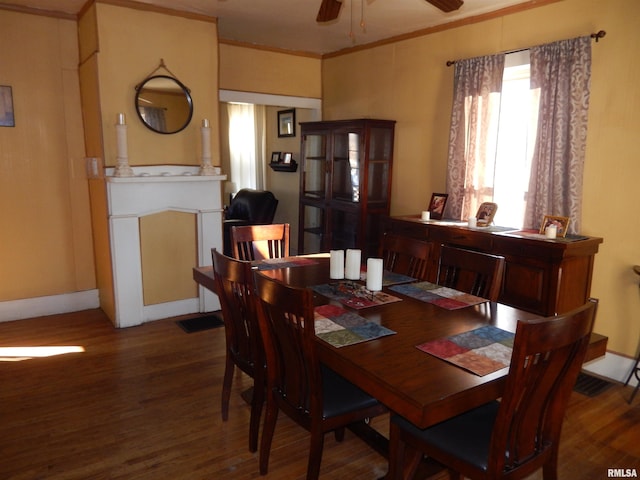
x: 226, y: 387
x: 257, y: 401
x: 550, y: 468
x: 634, y: 371
x: 338, y: 433
x: 270, y: 418
x: 315, y: 454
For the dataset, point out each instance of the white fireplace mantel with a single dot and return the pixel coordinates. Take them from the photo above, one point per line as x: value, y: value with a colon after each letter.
x: 153, y: 190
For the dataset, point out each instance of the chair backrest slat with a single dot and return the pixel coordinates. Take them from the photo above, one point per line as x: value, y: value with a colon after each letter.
x: 235, y: 289
x: 405, y: 255
x: 472, y: 272
x: 287, y: 326
x: 259, y: 242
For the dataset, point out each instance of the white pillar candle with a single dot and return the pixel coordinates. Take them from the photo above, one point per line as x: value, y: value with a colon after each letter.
x: 206, y: 140
x: 121, y: 138
x: 374, y: 274
x: 473, y: 222
x: 551, y: 231
x: 426, y: 215
x: 336, y: 264
x: 352, y: 269
x: 122, y: 168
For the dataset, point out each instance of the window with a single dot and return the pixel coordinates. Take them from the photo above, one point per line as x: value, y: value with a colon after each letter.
x: 516, y: 135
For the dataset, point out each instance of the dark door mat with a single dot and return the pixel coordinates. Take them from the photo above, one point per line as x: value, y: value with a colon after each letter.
x: 590, y: 386
x: 198, y: 324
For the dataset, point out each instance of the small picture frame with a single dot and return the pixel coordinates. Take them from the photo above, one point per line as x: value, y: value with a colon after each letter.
x: 486, y: 212
x: 7, y: 118
x: 437, y: 204
x: 287, y: 123
x: 275, y: 157
x: 287, y: 157
x: 562, y: 224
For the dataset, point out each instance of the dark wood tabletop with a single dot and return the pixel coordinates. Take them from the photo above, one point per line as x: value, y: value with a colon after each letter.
x: 418, y: 386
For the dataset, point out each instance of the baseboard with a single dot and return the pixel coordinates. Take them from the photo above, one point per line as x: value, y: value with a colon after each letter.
x: 170, y: 309
x: 612, y: 366
x: 50, y: 305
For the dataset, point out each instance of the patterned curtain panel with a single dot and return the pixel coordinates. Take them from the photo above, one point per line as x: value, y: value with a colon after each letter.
x: 472, y: 140
x: 562, y: 72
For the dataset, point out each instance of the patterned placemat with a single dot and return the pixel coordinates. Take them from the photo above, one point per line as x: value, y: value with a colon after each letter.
x: 442, y: 296
x: 353, y: 294
x: 340, y: 327
x: 286, y: 262
x: 481, y: 351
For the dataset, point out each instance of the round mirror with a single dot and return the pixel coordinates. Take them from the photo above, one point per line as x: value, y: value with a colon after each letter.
x: 164, y: 104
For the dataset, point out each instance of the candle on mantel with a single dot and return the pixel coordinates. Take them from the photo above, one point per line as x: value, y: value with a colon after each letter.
x: 121, y: 137
x: 206, y: 141
x: 122, y: 168
x: 352, y: 268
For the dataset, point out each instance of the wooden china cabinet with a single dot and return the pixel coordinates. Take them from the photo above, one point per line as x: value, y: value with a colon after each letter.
x: 345, y: 184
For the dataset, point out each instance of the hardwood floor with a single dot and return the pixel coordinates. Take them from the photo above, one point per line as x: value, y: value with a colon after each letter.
x: 144, y: 403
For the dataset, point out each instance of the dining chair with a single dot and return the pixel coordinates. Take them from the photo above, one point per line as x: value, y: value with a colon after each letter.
x: 472, y: 272
x: 405, y: 255
x: 258, y: 242
x: 513, y: 437
x: 235, y: 289
x: 311, y: 394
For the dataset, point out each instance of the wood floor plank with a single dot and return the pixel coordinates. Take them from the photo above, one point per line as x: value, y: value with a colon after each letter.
x: 144, y: 403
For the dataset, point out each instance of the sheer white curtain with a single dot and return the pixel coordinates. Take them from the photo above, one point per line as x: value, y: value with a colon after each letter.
x: 247, y: 145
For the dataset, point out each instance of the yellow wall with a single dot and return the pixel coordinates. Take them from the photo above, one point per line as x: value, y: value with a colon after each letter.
x: 415, y: 88
x: 131, y: 44
x: 45, y: 226
x: 265, y: 71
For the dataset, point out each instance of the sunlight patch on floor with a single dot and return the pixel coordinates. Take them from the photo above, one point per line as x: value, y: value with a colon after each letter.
x: 17, y: 354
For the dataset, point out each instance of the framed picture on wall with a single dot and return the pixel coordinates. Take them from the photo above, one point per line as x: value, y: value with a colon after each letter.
x: 275, y: 157
x: 286, y: 159
x: 6, y: 107
x: 287, y: 123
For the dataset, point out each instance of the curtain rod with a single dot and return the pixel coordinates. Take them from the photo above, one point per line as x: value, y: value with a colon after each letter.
x: 597, y: 36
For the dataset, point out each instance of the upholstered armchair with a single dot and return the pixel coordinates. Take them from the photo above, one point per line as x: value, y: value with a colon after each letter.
x: 248, y: 207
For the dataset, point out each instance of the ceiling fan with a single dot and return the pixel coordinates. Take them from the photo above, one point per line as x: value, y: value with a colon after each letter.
x: 329, y: 9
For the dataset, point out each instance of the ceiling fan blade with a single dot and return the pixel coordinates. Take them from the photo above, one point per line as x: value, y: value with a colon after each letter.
x: 329, y: 10
x: 446, y: 5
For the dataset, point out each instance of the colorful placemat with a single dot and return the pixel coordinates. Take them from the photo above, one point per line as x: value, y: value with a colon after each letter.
x: 442, y: 296
x: 340, y: 327
x: 353, y: 294
x: 392, y: 278
x: 481, y: 351
x: 286, y: 262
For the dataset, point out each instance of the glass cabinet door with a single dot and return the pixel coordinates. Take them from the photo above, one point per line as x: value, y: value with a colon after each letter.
x: 347, y: 153
x: 314, y: 174
x: 380, y: 155
x: 312, y: 229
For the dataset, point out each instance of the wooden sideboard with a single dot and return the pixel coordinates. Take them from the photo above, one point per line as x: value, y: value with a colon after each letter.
x: 542, y: 276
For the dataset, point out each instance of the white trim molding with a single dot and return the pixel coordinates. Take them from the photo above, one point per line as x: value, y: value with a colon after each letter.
x: 613, y: 366
x: 49, y: 305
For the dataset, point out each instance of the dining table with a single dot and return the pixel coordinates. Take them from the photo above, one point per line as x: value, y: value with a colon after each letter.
x: 421, y: 387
